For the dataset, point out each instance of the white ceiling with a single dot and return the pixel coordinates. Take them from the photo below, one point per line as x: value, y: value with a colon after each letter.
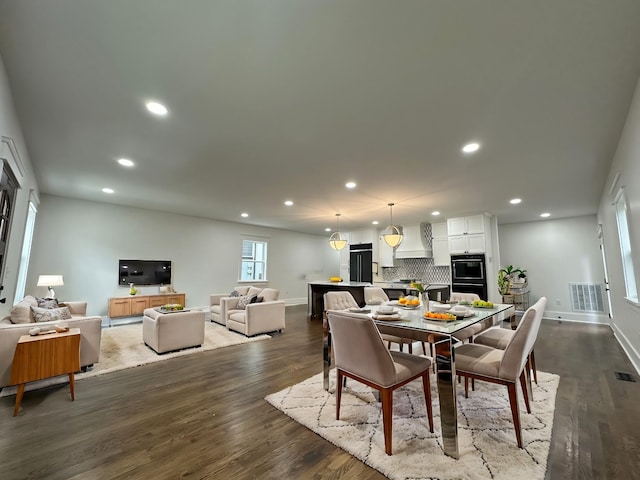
x: 289, y: 99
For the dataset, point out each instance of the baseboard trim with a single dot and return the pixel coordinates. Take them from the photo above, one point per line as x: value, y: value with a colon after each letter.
x: 594, y: 318
x: 632, y: 353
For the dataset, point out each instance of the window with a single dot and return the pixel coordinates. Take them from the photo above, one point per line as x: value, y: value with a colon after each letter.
x: 26, y: 252
x: 254, y: 261
x: 625, y: 245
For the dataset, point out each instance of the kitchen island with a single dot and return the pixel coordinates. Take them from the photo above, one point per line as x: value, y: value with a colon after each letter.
x: 316, y: 291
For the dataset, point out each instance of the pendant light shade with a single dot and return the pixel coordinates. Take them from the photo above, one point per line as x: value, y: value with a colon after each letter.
x: 392, y: 234
x: 337, y: 240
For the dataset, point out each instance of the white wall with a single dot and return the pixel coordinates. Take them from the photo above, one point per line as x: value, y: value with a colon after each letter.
x: 10, y: 133
x: 626, y: 314
x: 555, y: 253
x: 84, y: 241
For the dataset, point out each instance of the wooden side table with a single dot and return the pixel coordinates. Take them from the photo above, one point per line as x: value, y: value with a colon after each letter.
x: 44, y: 356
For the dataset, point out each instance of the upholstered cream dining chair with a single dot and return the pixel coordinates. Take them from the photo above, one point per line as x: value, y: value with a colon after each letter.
x: 506, y: 366
x: 374, y: 365
x: 371, y: 293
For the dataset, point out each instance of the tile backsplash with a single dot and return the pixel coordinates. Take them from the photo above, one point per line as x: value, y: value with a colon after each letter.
x: 422, y: 268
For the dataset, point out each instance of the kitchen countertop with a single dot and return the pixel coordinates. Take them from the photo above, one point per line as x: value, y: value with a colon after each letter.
x: 343, y: 284
x: 432, y: 286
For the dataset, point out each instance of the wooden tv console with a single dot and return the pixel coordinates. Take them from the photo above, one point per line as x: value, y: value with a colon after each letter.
x: 136, y: 304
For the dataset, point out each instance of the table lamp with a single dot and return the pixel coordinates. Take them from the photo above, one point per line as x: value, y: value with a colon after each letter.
x: 50, y: 281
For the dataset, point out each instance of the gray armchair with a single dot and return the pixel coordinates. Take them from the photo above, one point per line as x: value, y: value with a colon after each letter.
x: 372, y: 364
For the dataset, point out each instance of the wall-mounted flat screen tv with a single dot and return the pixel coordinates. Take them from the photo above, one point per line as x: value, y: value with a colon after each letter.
x: 144, y: 272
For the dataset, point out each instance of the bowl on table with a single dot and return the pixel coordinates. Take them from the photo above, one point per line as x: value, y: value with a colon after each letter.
x: 386, y: 309
x: 439, y: 307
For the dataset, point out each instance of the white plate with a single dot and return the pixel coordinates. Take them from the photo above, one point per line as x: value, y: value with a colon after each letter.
x: 440, y: 307
x: 359, y: 310
x: 466, y: 315
x: 387, y: 311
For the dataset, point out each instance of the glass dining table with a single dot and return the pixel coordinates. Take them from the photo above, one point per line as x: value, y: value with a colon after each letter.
x: 412, y: 324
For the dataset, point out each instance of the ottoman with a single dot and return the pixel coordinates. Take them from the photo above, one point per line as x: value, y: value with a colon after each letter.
x: 169, y: 331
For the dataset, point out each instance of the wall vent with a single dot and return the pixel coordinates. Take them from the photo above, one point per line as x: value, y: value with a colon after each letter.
x: 587, y: 297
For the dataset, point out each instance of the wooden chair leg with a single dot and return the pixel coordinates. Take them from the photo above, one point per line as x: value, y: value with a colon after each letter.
x: 525, y: 392
x: 338, y: 394
x: 532, y: 359
x: 401, y: 346
x: 473, y: 384
x: 386, y: 395
x: 411, y: 348
x: 424, y: 348
x: 515, y: 411
x: 466, y: 387
x: 389, y: 344
x: 426, y: 385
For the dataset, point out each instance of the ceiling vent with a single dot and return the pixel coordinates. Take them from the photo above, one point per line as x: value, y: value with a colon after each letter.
x: 414, y: 244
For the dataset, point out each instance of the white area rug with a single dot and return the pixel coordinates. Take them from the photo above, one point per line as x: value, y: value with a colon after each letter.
x: 122, y: 347
x: 486, y: 437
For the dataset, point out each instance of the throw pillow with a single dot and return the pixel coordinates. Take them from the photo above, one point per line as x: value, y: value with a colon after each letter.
x: 50, y: 314
x: 235, y: 293
x: 257, y: 299
x: 21, y: 312
x: 47, y: 302
x: 245, y: 300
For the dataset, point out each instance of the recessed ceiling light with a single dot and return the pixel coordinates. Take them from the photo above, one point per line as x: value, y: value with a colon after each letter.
x: 107, y: 190
x: 327, y: 229
x: 515, y: 201
x: 435, y: 213
x: 375, y: 222
x: 288, y: 203
x: 350, y: 185
x: 545, y: 214
x: 125, y: 162
x: 244, y: 215
x: 471, y: 147
x: 157, y: 108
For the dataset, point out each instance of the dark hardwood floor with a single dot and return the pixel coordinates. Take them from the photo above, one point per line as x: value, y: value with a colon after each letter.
x: 203, y: 416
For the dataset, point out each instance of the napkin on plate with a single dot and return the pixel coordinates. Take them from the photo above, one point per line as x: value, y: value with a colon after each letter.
x: 386, y: 316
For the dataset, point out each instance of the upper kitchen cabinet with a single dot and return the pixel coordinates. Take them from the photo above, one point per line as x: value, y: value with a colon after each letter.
x: 440, y: 244
x: 466, y: 225
x: 385, y: 253
x: 468, y: 234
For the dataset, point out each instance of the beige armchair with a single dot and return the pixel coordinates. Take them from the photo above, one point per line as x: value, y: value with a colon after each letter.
x: 372, y: 364
x: 216, y: 306
x: 166, y: 332
x: 506, y: 366
x: 265, y: 316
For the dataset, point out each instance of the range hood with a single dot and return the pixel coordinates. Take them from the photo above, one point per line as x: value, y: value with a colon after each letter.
x: 414, y: 244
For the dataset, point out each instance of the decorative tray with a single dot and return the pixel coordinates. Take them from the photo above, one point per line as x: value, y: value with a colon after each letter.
x: 440, y: 317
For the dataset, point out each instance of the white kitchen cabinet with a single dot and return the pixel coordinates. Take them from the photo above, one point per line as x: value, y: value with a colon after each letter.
x: 441, y: 257
x: 467, y: 234
x: 440, y: 244
x: 466, y: 225
x: 475, y: 243
x: 385, y: 253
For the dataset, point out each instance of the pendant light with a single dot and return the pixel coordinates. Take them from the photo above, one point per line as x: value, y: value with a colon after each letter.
x: 337, y: 240
x: 392, y: 235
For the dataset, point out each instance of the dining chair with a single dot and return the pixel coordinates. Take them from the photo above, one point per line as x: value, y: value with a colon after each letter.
x: 504, y: 367
x: 469, y: 332
x: 374, y: 365
x: 498, y: 337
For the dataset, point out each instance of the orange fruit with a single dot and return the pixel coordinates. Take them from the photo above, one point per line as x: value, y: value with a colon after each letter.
x: 415, y: 301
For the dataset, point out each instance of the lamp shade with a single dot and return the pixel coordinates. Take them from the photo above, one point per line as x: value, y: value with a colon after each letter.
x: 50, y: 280
x: 337, y: 240
x: 392, y: 235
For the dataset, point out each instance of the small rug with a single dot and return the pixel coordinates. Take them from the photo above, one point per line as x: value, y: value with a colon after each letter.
x: 122, y: 347
x: 486, y: 437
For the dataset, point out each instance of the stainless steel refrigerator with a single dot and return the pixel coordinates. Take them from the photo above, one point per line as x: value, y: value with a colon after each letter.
x: 361, y: 262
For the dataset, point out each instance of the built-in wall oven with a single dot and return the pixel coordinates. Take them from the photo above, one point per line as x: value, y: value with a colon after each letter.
x: 468, y: 274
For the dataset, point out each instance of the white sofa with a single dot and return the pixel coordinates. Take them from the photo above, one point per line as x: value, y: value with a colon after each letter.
x: 265, y: 316
x: 90, y: 336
